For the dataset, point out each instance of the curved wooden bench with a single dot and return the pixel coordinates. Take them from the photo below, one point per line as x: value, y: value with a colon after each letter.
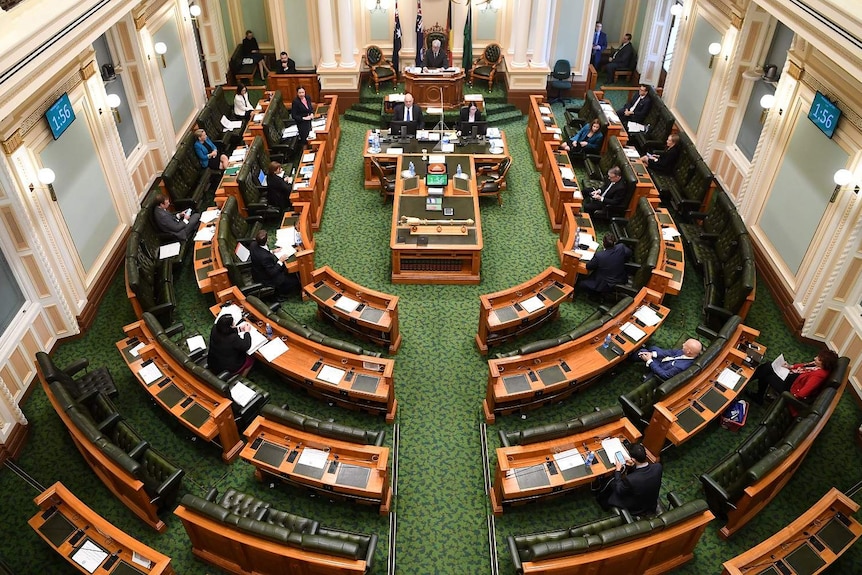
x: 504, y: 315
x: 373, y: 315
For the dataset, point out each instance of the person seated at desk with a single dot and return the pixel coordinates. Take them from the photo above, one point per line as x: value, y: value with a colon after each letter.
x: 268, y: 267
x: 637, y: 108
x: 435, y: 57
x: 250, y: 49
x: 803, y: 381
x: 277, y: 189
x: 635, y: 490
x: 407, y: 112
x: 208, y: 153
x: 180, y: 225
x: 622, y: 59
x: 666, y: 363
x: 665, y: 161
x: 302, y: 112
x: 612, y: 194
x: 467, y: 115
x: 285, y: 65
x: 588, y: 140
x: 242, y: 108
x: 228, y: 347
x: 607, y: 267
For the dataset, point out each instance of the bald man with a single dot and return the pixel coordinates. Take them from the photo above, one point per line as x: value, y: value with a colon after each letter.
x: 666, y: 363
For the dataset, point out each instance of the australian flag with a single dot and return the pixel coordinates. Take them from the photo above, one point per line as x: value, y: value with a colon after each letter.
x: 396, y: 39
x: 420, y: 35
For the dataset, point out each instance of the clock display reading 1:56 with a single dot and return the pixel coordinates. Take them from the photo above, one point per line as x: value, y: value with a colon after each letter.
x: 824, y: 114
x: 60, y: 115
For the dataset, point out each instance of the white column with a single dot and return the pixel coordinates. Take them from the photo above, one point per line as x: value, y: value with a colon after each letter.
x: 522, y: 33
x: 345, y: 34
x: 324, y: 26
x: 540, y: 37
x: 278, y: 25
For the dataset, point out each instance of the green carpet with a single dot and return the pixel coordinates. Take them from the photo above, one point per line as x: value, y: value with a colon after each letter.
x: 440, y: 382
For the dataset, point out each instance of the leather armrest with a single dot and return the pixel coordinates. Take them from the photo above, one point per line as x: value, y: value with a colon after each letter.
x: 137, y: 450
x: 183, y: 203
x: 674, y: 500
x: 697, y: 215
x: 723, y: 313
x: 706, y: 332
x: 212, y: 494
x: 175, y: 329
x: 513, y: 551
x: 76, y: 366
x: 800, y: 405
x: 711, y: 487
x: 169, y: 486
x: 251, y: 220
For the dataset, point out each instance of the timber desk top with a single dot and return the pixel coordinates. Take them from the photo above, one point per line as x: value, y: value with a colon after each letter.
x: 359, y: 472
x: 363, y: 382
x: 67, y: 524
x: 524, y: 382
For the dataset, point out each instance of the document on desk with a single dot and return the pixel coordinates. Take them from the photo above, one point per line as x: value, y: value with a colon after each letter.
x: 272, y: 349
x: 447, y: 148
x: 436, y: 159
x: 232, y: 310
x: 137, y: 349
x: 210, y: 216
x: 331, y: 374
x: 779, y: 367
x: 585, y: 255
x: 669, y: 234
x: 346, y: 304
x: 634, y: 128
x: 434, y: 111
x: 89, y: 556
x: 647, y: 315
x: 633, y: 331
x: 241, y: 252
x: 230, y: 124
x: 532, y: 304
x: 196, y: 342
x: 473, y: 98
x: 241, y: 393
x: 568, y: 459
x: 313, y: 458
x: 258, y: 118
x: 290, y: 131
x: 612, y: 445
x: 729, y: 378
x: 285, y: 236
x: 319, y: 123
x: 566, y: 173
x: 631, y: 153
x: 309, y: 157
x: 150, y: 373
x: 238, y: 155
x: 493, y: 133
x: 205, y: 234
x: 169, y: 250
x: 544, y: 110
x: 284, y: 253
x: 394, y: 151
x: 396, y: 97
x: 258, y: 340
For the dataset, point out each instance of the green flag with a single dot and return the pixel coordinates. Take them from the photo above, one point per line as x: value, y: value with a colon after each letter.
x: 468, y: 38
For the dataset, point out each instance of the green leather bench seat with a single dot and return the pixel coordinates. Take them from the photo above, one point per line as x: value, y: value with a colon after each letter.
x: 275, y: 120
x: 561, y: 429
x: 596, y: 171
x: 776, y: 438
x: 183, y: 177
x: 259, y: 518
x: 221, y: 383
x: 256, y: 161
x: 643, y: 261
x: 210, y: 117
x: 659, y: 123
x: 150, y: 238
x: 316, y: 426
x: 700, y: 235
x: 150, y: 281
x: 283, y: 319
x: 634, y: 229
x: 233, y: 229
x: 589, y: 111
x: 98, y: 379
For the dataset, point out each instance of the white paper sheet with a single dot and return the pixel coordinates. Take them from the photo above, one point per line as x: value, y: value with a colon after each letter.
x: 585, y: 255
x: 196, y: 342
x: 137, y: 349
x: 285, y: 252
x: 141, y: 560
x: 647, y: 315
x: 394, y: 151
x: 241, y: 393
x: 631, y: 153
x: 447, y: 148
x: 89, y: 556
x: 729, y: 378
x: 330, y: 374
x: 566, y: 173
x: 633, y: 331
x: 669, y: 234
x: 210, y: 216
x: 150, y: 373
x: 532, y: 304
x: 568, y: 459
x: 778, y: 367
x: 434, y: 111
x: 544, y: 110
x: 634, y: 128
x: 308, y: 157
x: 232, y: 310
x: 346, y: 304
x: 258, y: 340
x: 169, y: 250
x: 313, y: 457
x: 230, y: 124
x: 273, y: 348
x: 613, y: 444
x: 436, y: 159
x: 205, y: 234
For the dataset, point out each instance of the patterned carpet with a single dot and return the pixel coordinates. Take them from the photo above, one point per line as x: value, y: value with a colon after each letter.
x: 440, y: 382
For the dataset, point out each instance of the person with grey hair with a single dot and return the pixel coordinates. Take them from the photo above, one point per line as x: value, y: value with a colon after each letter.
x: 435, y: 57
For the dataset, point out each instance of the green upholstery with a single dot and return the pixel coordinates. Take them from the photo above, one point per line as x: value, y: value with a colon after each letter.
x: 660, y: 122
x: 632, y: 230
x: 485, y: 67
x: 233, y: 229
x: 380, y: 68
x: 150, y: 279
x: 256, y: 161
x: 586, y: 113
x: 555, y: 430
x: 323, y: 428
x: 210, y: 117
x: 183, y: 177
x: 276, y: 118
x: 84, y: 384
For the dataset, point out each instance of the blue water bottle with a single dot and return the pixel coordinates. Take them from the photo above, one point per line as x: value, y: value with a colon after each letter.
x: 412, y: 169
x: 268, y: 331
x: 607, y: 341
x: 458, y: 170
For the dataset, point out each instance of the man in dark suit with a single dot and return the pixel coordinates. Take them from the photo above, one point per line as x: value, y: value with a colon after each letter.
x: 608, y: 266
x: 666, y: 363
x: 622, y: 59
x: 467, y: 115
x: 181, y: 225
x: 600, y: 42
x: 407, y: 112
x: 638, y: 489
x: 612, y: 194
x: 285, y: 65
x: 435, y: 57
x: 268, y: 267
x: 637, y: 108
x: 664, y: 162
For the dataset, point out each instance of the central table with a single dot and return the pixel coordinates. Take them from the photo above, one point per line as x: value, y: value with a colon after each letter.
x: 439, y: 89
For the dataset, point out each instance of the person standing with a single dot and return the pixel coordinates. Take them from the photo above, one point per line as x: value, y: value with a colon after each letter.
x: 600, y: 42
x: 302, y: 112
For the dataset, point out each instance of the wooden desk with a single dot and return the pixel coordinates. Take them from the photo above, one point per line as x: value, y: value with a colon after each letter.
x: 428, y: 88
x: 688, y: 410
x: 815, y: 539
x: 479, y: 150
x: 614, y: 128
x: 288, y: 84
x: 313, y: 187
x: 503, y: 317
x: 425, y: 253
x: 524, y: 382
x: 644, y: 188
x: 557, y: 191
x: 204, y: 250
x: 330, y: 131
x: 375, y: 321
x: 366, y: 383
x: 524, y: 472
x: 541, y: 127
x: 570, y: 255
x: 673, y: 260
x: 358, y: 472
x: 65, y: 523
x: 194, y: 405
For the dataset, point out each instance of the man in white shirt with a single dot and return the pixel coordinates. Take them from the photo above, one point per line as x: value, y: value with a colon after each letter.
x: 407, y: 112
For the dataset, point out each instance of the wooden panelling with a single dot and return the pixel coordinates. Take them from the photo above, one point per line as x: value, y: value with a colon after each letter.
x: 13, y: 228
x: 827, y: 320
x: 15, y: 442
x: 100, y: 286
x: 41, y: 332
x: 37, y: 280
x: 21, y: 366
x: 56, y: 319
x: 850, y: 276
x: 783, y: 298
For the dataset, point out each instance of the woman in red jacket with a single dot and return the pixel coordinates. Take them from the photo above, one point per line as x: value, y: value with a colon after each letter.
x: 803, y: 381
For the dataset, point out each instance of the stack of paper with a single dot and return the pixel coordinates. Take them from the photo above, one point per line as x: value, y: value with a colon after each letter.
x: 396, y: 97
x: 232, y: 310
x: 566, y: 173
x: 210, y: 216
x: 196, y: 342
x: 169, y: 250
x: 612, y: 445
x: 257, y: 118
x: 272, y: 349
x: 544, y: 110
x: 633, y: 331
x: 205, y: 234
x: 238, y: 155
x: 241, y: 393
x: 647, y: 315
x: 331, y: 374
x: 669, y: 234
x: 346, y: 304
x: 313, y: 458
x: 150, y: 373
x: 230, y: 124
x: 285, y: 237
x: 729, y: 378
x: 568, y: 459
x: 308, y: 157
x: 532, y: 304
x: 290, y: 131
x: 318, y: 123
x: 634, y: 128
x: 630, y: 152
x: 258, y: 340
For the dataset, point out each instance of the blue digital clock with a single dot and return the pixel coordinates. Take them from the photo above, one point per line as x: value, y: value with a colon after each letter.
x: 60, y: 115
x: 824, y: 114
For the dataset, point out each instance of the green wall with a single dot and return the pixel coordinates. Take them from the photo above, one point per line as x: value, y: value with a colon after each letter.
x: 572, y: 14
x: 175, y: 76
x: 298, y: 34
x: 697, y: 74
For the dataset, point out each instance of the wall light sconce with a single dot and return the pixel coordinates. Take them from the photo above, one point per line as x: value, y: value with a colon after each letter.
x: 161, y: 49
x: 375, y: 5
x: 676, y: 10
x: 493, y: 5
x: 195, y: 10
x: 114, y: 103
x: 714, y: 50
x: 766, y: 102
x: 842, y: 178
x: 46, y: 177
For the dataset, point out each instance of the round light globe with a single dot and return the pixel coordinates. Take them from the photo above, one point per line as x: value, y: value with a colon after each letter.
x: 113, y: 101
x: 195, y: 10
x: 767, y: 101
x: 676, y: 10
x: 47, y: 176
x: 842, y: 177
x: 160, y: 47
x: 714, y: 48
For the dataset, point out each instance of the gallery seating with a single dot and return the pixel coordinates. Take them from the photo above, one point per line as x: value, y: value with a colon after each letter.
x: 740, y: 485
x: 615, y: 544
x: 242, y: 534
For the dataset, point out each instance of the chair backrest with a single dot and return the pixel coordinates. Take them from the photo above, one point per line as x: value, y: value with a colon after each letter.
x: 562, y: 69
x: 493, y: 53
x: 436, y: 32
x: 373, y: 55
